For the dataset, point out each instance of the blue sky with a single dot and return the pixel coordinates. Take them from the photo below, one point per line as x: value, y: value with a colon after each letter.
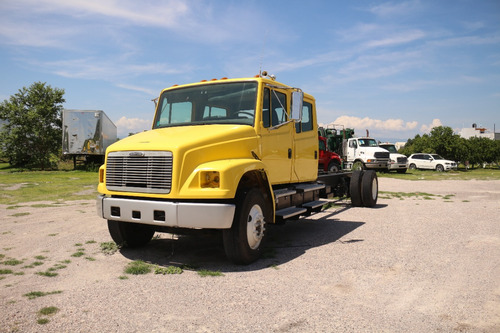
x: 396, y: 68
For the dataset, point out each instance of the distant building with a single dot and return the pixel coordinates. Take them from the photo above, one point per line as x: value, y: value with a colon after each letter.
x: 479, y: 132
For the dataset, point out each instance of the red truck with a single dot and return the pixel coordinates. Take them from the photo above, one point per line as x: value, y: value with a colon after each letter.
x: 328, y: 161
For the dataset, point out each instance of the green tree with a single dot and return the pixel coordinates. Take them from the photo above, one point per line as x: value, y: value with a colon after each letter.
x: 32, y: 135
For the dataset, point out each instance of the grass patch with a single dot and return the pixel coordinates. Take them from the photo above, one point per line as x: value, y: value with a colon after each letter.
x: 206, y: 272
x: 90, y: 258
x: 168, y: 270
x: 5, y: 271
x: 123, y: 277
x: 42, y: 321
x: 109, y: 248
x: 413, y: 195
x: 36, y: 294
x: 12, y: 262
x: 137, y: 267
x: 47, y: 185
x: 47, y: 273
x: 48, y: 310
x: 20, y: 214
x: 40, y: 257
x: 90, y: 242
x: 460, y: 174
x: 78, y: 254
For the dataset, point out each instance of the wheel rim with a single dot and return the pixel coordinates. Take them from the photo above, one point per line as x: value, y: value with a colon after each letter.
x: 374, y: 188
x: 255, y: 227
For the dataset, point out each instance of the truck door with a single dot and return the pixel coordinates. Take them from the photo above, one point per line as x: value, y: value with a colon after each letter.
x: 352, y: 145
x: 276, y: 142
x: 305, y: 150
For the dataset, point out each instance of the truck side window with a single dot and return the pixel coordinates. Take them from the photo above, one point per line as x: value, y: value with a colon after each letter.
x: 278, y: 107
x: 266, y: 106
x: 306, y: 124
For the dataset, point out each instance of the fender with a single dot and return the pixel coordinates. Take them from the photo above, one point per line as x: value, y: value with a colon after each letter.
x: 230, y: 171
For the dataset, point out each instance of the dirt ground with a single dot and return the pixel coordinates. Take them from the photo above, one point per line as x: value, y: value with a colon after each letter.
x: 425, y: 262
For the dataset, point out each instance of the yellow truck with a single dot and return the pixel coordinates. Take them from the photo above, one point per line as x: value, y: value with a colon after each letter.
x: 227, y: 154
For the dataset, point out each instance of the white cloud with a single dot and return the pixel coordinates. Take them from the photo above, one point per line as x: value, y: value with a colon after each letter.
x: 131, y: 125
x: 396, y: 39
x: 428, y: 128
x: 397, y: 125
x: 395, y: 8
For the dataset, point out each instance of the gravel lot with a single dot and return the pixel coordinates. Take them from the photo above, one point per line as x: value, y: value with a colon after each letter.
x: 423, y: 263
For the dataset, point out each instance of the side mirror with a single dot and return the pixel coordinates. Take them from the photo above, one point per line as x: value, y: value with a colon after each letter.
x: 297, y: 103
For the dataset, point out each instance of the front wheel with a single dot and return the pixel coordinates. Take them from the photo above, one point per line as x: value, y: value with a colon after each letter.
x: 413, y: 166
x: 129, y: 234
x: 333, y: 167
x: 439, y: 168
x: 242, y: 242
x: 401, y: 171
x: 358, y: 165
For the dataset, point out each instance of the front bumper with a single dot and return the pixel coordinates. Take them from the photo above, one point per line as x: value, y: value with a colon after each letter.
x: 191, y: 215
x: 397, y: 166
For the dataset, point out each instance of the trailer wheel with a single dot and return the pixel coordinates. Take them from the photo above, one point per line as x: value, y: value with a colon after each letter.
x: 242, y: 242
x: 369, y: 188
x: 129, y: 234
x: 355, y: 188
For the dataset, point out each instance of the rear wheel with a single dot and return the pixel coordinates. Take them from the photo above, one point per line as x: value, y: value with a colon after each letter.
x: 355, y: 188
x: 369, y: 188
x: 129, y: 234
x: 242, y: 242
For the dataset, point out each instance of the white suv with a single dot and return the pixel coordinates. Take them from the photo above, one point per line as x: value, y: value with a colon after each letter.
x: 430, y: 161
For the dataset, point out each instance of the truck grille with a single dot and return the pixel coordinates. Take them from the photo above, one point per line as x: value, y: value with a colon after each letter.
x: 139, y: 171
x: 402, y: 159
x: 380, y: 154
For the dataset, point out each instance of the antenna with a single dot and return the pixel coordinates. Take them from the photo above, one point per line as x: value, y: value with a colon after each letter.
x: 262, y: 52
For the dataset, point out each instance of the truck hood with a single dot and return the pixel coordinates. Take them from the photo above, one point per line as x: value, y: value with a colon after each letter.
x: 184, y: 137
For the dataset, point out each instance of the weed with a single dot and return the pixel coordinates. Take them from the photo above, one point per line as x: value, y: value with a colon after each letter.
x: 168, y: 270
x: 90, y: 242
x: 40, y: 257
x: 20, y: 214
x: 189, y: 267
x: 109, y: 248
x: 137, y: 267
x: 123, y: 277
x: 78, y: 254
x: 6, y: 271
x: 48, y: 310
x: 2, y: 256
x: 78, y: 244
x: 47, y: 274
x: 56, y: 267
x: 52, y: 235
x: 90, y: 258
x: 42, y: 321
x: 274, y: 266
x: 12, y: 262
x: 19, y: 273
x: 205, y: 272
x: 67, y: 261
x: 36, y: 294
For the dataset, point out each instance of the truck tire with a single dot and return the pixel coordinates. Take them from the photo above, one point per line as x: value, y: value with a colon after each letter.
x: 401, y: 171
x: 128, y: 234
x: 358, y: 165
x: 333, y: 167
x: 242, y: 242
x: 355, y: 188
x: 369, y: 188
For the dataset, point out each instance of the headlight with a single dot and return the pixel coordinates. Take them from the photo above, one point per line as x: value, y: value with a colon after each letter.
x: 210, y: 179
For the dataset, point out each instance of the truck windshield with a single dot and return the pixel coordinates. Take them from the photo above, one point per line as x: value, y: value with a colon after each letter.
x: 221, y: 103
x: 367, y: 143
x: 390, y: 148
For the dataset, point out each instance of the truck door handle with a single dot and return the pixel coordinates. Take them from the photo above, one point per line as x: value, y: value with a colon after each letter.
x: 289, y: 152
